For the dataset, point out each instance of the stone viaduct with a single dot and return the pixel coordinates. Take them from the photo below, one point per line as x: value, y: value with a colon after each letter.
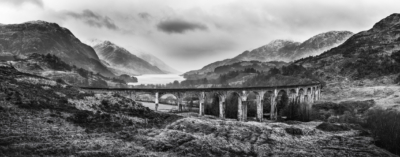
x: 301, y: 94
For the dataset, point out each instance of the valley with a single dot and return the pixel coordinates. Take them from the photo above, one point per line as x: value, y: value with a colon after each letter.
x: 336, y: 93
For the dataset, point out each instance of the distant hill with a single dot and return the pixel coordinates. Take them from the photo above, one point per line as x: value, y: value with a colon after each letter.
x: 49, y: 38
x: 238, y: 66
x: 153, y: 60
x: 366, y: 55
x: 122, y: 61
x: 283, y: 50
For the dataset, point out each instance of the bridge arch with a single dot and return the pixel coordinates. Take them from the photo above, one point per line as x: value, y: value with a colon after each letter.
x: 269, y: 100
x: 139, y: 96
x: 231, y: 104
x: 282, y: 100
x: 289, y: 110
x: 212, y: 103
x: 307, y: 95
x: 301, y: 94
x: 168, y: 98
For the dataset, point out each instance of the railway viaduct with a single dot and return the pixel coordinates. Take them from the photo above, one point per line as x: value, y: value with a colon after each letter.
x: 299, y: 94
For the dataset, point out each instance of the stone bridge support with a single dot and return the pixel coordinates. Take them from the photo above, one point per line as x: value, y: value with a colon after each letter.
x: 274, y: 111
x: 179, y: 97
x: 222, y: 105
x: 260, y: 107
x: 242, y: 105
x: 156, y: 99
x: 202, y: 97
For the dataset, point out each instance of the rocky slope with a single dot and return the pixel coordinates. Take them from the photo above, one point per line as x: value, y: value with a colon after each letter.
x: 153, y: 60
x: 43, y: 37
x: 284, y: 50
x: 122, y: 61
x: 369, y: 54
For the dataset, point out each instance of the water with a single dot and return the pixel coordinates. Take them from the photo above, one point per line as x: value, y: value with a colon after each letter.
x: 157, y: 79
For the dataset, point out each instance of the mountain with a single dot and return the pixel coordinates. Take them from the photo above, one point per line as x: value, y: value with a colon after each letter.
x: 277, y: 50
x: 153, y: 60
x: 366, y: 55
x: 49, y: 38
x: 122, y: 61
x: 283, y: 50
x: 52, y: 67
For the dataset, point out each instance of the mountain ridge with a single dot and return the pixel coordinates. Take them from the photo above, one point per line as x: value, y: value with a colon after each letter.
x: 122, y: 61
x: 49, y: 38
x: 368, y: 54
x: 282, y: 50
x: 153, y: 60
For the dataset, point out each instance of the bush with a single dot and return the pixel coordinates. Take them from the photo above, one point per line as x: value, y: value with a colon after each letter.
x: 397, y: 80
x: 332, y: 127
x: 294, y: 131
x: 60, y: 81
x: 385, y: 128
x: 343, y: 112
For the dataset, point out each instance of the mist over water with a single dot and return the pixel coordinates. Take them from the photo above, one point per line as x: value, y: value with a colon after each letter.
x: 157, y: 79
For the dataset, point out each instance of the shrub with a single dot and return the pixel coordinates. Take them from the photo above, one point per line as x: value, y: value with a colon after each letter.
x: 343, y: 112
x: 332, y: 127
x: 397, y: 80
x: 385, y: 128
x: 294, y: 131
x: 295, y: 111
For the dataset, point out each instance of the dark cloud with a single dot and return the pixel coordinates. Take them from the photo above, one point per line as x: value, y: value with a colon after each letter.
x: 20, y: 2
x: 179, y: 26
x: 94, y: 19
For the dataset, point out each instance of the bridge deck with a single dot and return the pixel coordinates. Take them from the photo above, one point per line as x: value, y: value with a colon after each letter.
x: 200, y: 89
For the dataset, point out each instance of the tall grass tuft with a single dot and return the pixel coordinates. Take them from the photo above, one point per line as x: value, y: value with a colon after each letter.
x: 385, y: 128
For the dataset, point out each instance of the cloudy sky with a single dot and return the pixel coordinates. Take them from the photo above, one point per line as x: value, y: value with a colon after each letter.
x: 188, y: 34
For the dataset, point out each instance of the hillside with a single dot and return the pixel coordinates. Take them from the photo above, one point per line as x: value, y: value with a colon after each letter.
x: 153, y: 60
x: 52, y: 67
x: 372, y: 54
x: 238, y: 66
x: 49, y: 38
x: 283, y: 50
x: 122, y: 61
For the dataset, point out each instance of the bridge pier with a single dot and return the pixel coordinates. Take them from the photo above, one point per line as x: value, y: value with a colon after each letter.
x: 201, y: 103
x: 273, y: 115
x: 222, y: 98
x: 242, y: 106
x: 245, y: 106
x: 260, y: 107
x: 240, y: 109
x: 179, y: 104
x: 156, y: 101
